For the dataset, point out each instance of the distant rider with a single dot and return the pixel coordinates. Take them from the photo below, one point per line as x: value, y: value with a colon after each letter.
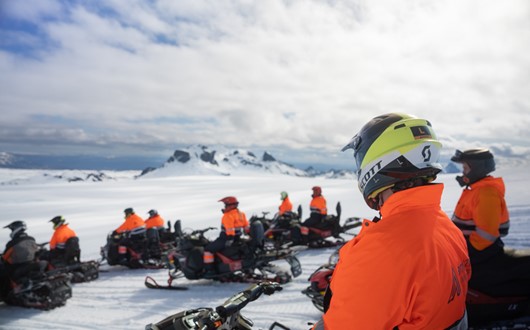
x: 482, y: 215
x: 317, y: 207
x: 64, y: 244
x: 155, y: 230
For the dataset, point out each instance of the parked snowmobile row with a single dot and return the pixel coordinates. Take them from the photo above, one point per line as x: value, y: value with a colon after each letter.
x: 288, y: 230
x: 484, y: 311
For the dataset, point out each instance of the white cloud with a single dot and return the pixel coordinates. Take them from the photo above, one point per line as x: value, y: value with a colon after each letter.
x: 238, y: 67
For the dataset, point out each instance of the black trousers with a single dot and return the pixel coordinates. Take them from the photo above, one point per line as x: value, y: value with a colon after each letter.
x: 498, y: 273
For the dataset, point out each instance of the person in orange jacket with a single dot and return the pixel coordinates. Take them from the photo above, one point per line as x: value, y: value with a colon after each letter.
x: 482, y: 215
x: 64, y: 244
x: 233, y: 224
x: 133, y: 225
x: 286, y: 205
x: 155, y: 229
x: 317, y: 207
x: 408, y: 269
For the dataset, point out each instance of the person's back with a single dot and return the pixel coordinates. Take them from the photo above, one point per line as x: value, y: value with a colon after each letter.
x: 400, y: 264
x: 19, y: 254
x: 62, y: 253
x: 409, y: 269
x: 133, y: 224
x: 154, y: 221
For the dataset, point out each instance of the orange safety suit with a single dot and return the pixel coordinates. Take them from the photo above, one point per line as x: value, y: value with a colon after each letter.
x: 131, y: 224
x: 286, y: 206
x: 154, y: 222
x: 235, y: 223
x: 60, y: 236
x: 231, y: 221
x: 408, y: 270
x: 318, y: 205
x: 481, y: 212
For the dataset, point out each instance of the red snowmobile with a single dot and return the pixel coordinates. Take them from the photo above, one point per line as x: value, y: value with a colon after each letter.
x: 244, y: 261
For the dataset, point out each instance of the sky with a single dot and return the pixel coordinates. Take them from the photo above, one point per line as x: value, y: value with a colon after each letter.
x: 295, y: 77
x: 119, y: 300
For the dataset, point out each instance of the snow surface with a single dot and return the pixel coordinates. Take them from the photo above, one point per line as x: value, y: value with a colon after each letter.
x: 119, y: 299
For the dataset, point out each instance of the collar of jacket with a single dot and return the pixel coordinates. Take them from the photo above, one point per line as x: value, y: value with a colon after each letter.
x: 427, y: 195
x: 490, y: 181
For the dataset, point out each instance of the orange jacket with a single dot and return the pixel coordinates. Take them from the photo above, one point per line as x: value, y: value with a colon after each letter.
x: 131, y: 223
x: 286, y: 206
x: 408, y: 270
x: 318, y: 205
x: 233, y: 221
x: 60, y: 236
x: 154, y: 222
x: 481, y: 212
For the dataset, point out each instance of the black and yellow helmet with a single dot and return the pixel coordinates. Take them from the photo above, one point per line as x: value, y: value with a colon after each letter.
x: 57, y: 221
x: 393, y: 148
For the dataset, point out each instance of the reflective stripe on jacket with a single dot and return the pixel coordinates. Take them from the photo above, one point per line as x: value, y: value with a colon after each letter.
x: 286, y: 206
x: 154, y: 222
x: 133, y: 224
x: 481, y: 212
x: 409, y: 270
x: 318, y: 205
x: 60, y: 236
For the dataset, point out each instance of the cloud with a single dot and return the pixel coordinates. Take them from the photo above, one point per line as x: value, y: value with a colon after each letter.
x: 299, y: 75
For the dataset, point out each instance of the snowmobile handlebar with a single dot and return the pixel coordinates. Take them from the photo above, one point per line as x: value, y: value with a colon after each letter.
x: 225, y: 316
x: 201, y: 231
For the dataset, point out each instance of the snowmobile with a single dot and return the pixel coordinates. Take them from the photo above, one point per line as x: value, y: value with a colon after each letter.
x: 277, y: 220
x: 81, y: 271
x: 37, y: 290
x: 244, y: 261
x: 326, y: 234
x: 484, y: 312
x: 224, y: 317
x: 147, y: 251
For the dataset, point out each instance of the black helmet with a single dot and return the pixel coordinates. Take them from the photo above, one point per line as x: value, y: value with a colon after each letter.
x: 152, y: 212
x: 128, y: 211
x: 391, y: 149
x: 480, y: 162
x: 17, y: 227
x: 57, y: 221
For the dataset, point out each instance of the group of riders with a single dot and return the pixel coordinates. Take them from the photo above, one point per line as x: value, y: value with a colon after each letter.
x: 23, y: 255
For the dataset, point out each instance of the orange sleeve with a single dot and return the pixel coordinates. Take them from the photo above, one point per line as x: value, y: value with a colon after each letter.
x: 487, y: 213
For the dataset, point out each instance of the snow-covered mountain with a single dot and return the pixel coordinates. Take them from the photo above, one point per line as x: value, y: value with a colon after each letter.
x: 200, y: 160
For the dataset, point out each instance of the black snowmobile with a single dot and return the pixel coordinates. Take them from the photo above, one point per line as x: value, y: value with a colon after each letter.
x: 244, y: 261
x: 70, y: 262
x: 326, y: 234
x: 484, y: 312
x: 141, y: 251
x: 36, y: 290
x: 224, y: 317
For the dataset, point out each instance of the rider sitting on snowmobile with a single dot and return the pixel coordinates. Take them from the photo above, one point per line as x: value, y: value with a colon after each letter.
x: 155, y: 230
x: 285, y: 213
x: 64, y: 244
x: 317, y: 207
x: 482, y: 215
x: 410, y: 268
x: 131, y: 232
x: 20, y: 254
x: 233, y: 224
